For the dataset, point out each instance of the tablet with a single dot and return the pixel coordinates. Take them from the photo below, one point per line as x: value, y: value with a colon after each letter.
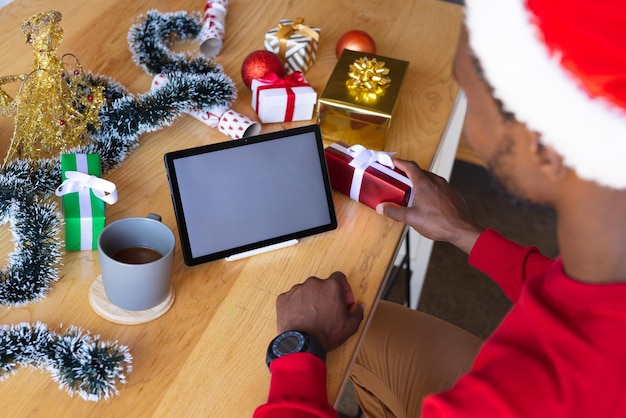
x: 243, y: 195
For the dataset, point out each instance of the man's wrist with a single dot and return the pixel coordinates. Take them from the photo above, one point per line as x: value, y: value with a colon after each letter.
x: 291, y: 342
x: 465, y: 238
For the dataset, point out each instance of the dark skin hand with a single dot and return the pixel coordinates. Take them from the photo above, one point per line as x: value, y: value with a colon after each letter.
x: 325, y: 309
x: 438, y: 212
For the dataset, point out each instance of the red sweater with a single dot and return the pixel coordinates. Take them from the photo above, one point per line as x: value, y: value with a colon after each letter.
x: 559, y: 352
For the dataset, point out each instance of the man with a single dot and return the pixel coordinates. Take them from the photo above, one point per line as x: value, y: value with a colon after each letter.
x: 546, y: 88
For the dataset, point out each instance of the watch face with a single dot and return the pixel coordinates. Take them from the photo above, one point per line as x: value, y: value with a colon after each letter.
x: 290, y: 342
x: 293, y: 342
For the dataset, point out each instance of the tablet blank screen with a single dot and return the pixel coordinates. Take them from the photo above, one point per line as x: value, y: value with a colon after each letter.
x: 263, y: 191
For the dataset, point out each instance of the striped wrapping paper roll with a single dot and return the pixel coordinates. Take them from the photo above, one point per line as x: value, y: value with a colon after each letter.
x: 295, y: 43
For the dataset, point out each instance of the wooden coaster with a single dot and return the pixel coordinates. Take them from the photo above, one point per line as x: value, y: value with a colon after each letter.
x: 103, y: 307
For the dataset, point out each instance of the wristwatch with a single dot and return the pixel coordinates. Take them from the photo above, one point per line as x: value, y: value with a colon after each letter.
x: 290, y: 342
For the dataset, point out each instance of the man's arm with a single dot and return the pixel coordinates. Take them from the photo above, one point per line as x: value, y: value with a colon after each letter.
x: 326, y: 311
x: 438, y: 212
x: 298, y: 389
x: 506, y: 262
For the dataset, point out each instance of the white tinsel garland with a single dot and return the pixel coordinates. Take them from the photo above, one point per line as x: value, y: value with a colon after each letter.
x: 80, y: 363
x: 26, y: 186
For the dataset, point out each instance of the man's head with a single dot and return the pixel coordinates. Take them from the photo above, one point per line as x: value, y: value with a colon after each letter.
x: 546, y: 87
x: 511, y: 151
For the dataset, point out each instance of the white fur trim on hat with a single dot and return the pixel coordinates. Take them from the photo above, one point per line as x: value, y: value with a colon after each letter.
x: 590, y: 133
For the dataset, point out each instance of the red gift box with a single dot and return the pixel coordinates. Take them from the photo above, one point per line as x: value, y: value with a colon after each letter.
x: 367, y: 176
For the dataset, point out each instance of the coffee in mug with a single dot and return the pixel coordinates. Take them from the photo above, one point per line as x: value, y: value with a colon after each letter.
x: 136, y: 255
x: 136, y: 259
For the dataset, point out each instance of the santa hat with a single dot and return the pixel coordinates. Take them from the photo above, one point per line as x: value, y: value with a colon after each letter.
x: 560, y: 67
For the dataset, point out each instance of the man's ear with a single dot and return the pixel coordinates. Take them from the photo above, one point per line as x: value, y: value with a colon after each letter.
x: 548, y: 160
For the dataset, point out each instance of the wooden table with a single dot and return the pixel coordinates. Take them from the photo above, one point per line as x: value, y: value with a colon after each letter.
x: 205, y: 357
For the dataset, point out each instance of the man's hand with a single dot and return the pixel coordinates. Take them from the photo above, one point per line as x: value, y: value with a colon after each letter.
x: 438, y: 212
x: 324, y: 309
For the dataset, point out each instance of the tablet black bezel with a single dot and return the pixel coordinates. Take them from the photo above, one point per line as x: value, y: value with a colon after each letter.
x: 170, y: 157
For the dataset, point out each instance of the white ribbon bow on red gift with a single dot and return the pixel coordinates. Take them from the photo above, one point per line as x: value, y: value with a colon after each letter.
x: 77, y: 181
x: 362, y: 159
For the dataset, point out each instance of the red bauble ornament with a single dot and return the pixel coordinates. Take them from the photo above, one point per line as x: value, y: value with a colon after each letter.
x: 356, y: 40
x: 259, y: 64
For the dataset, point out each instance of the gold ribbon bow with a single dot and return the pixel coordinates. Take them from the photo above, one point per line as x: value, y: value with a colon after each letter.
x: 286, y: 30
x: 368, y: 79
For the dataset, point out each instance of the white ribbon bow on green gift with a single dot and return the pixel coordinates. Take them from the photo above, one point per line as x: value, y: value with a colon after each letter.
x: 77, y: 181
x: 362, y: 159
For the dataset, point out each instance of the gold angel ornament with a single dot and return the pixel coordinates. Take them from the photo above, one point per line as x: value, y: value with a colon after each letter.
x: 55, y: 105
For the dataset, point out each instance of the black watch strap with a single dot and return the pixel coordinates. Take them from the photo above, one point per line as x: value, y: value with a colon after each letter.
x: 291, y: 342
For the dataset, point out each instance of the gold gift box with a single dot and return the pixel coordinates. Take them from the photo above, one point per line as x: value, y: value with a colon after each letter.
x: 345, y: 117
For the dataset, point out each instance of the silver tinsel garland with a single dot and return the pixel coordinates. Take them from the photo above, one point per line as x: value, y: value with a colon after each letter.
x: 26, y: 187
x: 80, y: 363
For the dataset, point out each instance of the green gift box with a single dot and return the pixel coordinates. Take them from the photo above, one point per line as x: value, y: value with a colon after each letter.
x: 83, y: 210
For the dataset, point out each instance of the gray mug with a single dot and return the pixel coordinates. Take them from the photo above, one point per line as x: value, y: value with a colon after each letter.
x: 132, y: 281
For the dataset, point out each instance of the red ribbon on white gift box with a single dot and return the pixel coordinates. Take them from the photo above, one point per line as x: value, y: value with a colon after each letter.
x: 227, y: 121
x: 272, y: 81
x: 213, y: 28
x: 362, y: 159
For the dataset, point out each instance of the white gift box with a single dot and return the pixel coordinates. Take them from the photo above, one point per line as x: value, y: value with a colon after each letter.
x: 276, y: 101
x: 295, y: 43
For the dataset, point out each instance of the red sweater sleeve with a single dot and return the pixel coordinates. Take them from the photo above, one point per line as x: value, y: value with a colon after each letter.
x: 297, y: 389
x: 506, y: 262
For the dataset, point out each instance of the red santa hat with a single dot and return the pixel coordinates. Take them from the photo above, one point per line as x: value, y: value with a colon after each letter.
x: 560, y: 67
